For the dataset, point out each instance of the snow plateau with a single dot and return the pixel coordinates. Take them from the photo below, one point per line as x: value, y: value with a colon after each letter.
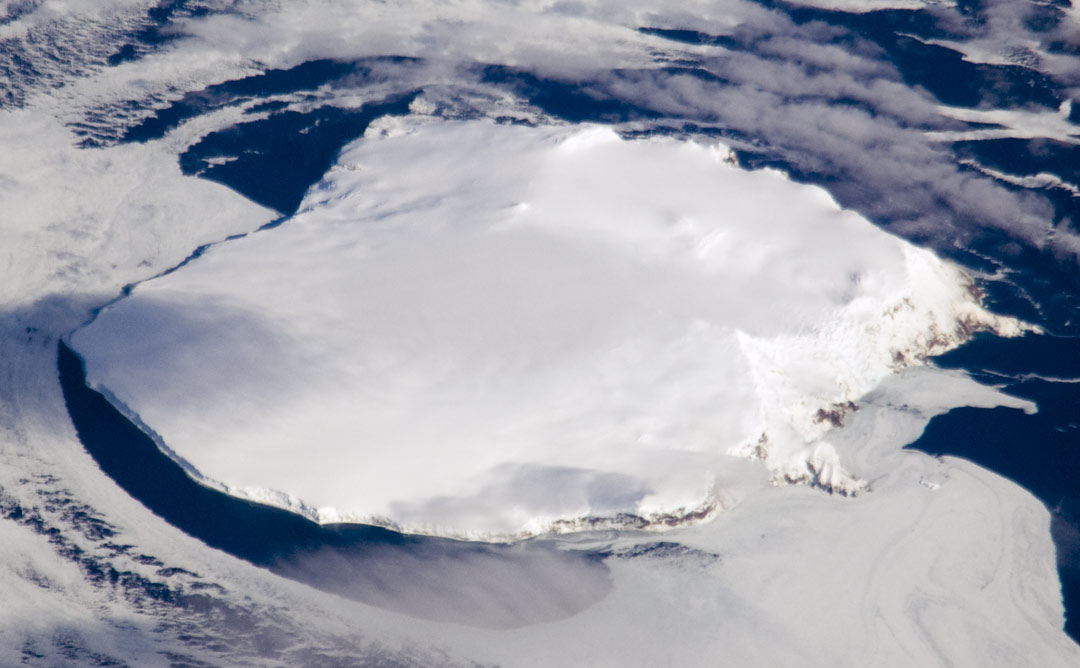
x: 495, y: 331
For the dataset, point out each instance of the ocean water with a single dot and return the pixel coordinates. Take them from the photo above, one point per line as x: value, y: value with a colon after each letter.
x: 417, y: 575
x: 1039, y: 451
x: 861, y: 103
x: 276, y: 159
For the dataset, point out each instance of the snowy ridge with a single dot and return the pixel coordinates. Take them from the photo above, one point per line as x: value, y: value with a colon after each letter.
x: 495, y: 332
x: 937, y: 311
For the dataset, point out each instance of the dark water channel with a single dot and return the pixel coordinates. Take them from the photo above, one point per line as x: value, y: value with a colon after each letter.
x: 1040, y: 452
x: 472, y: 583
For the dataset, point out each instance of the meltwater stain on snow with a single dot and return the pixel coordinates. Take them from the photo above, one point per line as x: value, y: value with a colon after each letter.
x: 470, y: 583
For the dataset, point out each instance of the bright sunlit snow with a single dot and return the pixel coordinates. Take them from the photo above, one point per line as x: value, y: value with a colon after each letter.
x: 494, y: 331
x: 588, y: 326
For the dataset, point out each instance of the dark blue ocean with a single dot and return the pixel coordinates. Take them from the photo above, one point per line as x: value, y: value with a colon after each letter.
x: 284, y: 148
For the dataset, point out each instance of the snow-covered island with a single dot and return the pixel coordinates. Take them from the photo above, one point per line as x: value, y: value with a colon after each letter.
x: 541, y: 300
x: 494, y: 331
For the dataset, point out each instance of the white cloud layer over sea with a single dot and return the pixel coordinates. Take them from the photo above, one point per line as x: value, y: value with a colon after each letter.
x: 824, y: 102
x: 629, y: 262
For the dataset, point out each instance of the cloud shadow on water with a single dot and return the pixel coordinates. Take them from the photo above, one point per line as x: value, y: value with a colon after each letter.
x: 479, y: 584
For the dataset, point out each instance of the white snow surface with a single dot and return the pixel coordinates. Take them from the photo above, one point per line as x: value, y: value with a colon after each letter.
x: 492, y: 331
x: 944, y: 564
